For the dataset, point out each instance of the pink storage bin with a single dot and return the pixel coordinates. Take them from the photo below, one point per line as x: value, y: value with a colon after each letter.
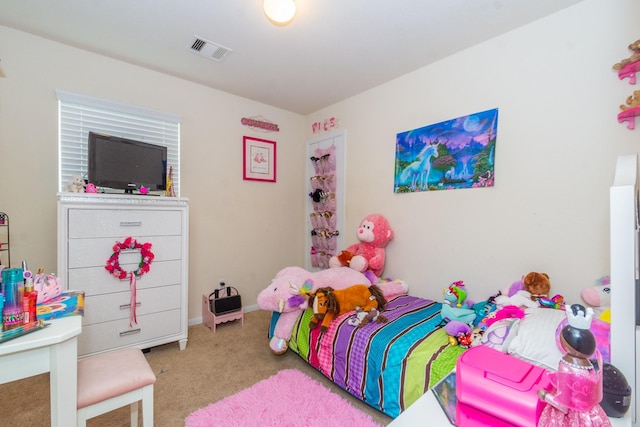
x: 496, y: 389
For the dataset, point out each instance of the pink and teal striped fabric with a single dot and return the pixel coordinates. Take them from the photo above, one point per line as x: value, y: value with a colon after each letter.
x: 387, y: 365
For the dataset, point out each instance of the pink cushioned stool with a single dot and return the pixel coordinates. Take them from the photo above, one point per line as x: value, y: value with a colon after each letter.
x: 111, y: 380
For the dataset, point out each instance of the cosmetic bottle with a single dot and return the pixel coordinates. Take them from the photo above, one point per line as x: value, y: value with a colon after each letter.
x: 33, y: 302
x: 13, y: 310
x: 29, y: 299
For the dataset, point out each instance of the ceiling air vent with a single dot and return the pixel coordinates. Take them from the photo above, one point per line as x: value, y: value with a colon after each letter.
x: 209, y: 49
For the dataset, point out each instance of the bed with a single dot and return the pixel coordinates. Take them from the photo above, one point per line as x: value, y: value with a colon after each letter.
x: 391, y: 365
x: 387, y: 365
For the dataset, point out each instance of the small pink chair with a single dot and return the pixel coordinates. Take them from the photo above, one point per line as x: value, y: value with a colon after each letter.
x: 111, y: 380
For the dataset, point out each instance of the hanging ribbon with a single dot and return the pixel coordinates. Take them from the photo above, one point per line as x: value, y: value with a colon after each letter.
x: 132, y: 309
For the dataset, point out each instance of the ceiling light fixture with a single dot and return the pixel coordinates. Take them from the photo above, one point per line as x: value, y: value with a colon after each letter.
x: 280, y: 12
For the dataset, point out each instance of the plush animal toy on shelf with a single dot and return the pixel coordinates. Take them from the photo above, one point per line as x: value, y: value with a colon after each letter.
x: 75, y: 184
x: 286, y: 296
x: 374, y: 234
x: 635, y: 56
x: 632, y: 101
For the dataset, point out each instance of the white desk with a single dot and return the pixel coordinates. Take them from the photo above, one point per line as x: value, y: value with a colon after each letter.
x: 53, y: 349
x: 428, y: 408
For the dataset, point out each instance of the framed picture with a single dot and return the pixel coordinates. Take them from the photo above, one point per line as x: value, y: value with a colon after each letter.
x: 259, y: 156
x: 455, y: 154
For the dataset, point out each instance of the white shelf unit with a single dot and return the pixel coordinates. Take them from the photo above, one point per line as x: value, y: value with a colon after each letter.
x: 89, y: 225
x: 5, y: 241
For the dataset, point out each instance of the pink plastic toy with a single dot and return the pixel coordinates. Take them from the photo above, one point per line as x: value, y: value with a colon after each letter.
x: 496, y: 389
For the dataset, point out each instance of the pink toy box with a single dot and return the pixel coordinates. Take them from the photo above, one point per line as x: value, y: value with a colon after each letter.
x: 495, y: 389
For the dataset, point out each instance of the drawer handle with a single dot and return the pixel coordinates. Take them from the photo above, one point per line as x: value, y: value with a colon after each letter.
x: 131, y: 332
x: 123, y: 306
x: 130, y: 223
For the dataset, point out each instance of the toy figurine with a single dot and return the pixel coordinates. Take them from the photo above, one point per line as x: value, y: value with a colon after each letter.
x: 455, y: 305
x: 576, y: 389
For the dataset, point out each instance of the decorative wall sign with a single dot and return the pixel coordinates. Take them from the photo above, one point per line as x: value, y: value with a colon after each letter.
x: 259, y: 124
x: 325, y: 126
x: 259, y: 159
x: 457, y: 153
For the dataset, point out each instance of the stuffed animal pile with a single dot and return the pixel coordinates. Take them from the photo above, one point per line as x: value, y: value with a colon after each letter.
x: 374, y: 234
x: 288, y: 295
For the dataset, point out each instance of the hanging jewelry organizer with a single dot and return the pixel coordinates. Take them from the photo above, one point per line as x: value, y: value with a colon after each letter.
x: 325, y: 198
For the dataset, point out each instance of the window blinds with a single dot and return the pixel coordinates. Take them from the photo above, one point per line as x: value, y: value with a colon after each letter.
x: 80, y: 114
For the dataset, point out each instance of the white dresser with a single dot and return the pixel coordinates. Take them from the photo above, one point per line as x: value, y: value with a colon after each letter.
x: 89, y: 225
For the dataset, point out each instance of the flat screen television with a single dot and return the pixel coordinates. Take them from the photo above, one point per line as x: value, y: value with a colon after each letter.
x: 126, y: 164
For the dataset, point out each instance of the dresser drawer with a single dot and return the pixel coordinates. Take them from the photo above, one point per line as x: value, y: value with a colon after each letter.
x: 85, y: 223
x: 97, y: 280
x: 96, y: 252
x: 106, y: 307
x: 117, y: 333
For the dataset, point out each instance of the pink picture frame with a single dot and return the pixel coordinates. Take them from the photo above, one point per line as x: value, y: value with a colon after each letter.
x: 259, y: 159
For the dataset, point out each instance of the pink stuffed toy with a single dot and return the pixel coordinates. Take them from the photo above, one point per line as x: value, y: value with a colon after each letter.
x: 374, y: 233
x: 598, y: 295
x: 507, y: 312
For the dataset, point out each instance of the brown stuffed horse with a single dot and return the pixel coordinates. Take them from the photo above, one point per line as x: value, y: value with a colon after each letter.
x: 329, y: 303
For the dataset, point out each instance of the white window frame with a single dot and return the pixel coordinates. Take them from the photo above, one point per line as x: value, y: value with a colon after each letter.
x: 80, y: 114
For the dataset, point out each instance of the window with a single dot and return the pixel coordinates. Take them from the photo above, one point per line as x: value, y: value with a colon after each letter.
x: 80, y: 114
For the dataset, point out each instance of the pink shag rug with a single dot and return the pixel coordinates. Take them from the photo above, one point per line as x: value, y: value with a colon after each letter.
x: 288, y: 398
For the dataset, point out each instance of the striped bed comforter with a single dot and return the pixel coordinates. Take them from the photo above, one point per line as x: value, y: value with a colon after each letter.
x: 387, y: 365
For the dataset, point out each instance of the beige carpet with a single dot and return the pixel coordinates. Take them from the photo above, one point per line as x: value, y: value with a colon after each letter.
x: 212, y: 367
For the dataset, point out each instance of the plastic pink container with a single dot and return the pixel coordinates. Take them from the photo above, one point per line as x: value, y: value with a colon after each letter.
x: 496, y: 389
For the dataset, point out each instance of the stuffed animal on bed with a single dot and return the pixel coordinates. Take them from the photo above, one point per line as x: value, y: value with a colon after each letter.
x: 329, y: 303
x: 537, y: 284
x: 374, y: 234
x: 455, y: 305
x: 598, y: 295
x: 362, y: 317
x: 284, y: 296
x: 521, y: 298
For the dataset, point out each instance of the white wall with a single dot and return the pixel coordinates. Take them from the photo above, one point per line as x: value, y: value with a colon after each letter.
x: 558, y: 140
x: 234, y: 224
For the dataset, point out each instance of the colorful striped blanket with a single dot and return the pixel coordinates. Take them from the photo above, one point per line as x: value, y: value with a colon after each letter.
x: 387, y: 365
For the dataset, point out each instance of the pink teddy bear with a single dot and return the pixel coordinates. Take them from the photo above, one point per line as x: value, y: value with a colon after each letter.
x: 374, y: 234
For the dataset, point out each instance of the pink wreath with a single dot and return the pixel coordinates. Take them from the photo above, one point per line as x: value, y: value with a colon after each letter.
x: 146, y: 257
x: 113, y: 267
